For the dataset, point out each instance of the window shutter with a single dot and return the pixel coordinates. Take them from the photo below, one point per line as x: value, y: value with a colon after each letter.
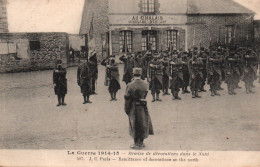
x: 137, y: 40
x: 115, y: 42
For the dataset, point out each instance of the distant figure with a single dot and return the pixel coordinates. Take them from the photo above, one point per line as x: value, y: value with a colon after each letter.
x: 84, y: 80
x: 60, y: 82
x: 136, y: 108
x: 93, y: 65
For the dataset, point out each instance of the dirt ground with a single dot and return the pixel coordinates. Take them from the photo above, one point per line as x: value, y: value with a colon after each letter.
x: 29, y: 118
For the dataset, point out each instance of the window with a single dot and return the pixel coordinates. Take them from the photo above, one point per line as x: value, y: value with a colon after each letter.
x: 172, y: 39
x: 229, y: 35
x: 35, y: 45
x: 149, y: 40
x: 126, y: 41
x: 148, y: 6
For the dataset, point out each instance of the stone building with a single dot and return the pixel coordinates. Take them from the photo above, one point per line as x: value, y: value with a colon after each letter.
x: 120, y: 26
x: 32, y: 51
x: 257, y: 29
x: 3, y: 17
x: 29, y: 51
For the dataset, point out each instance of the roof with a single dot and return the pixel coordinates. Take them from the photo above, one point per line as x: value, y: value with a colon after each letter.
x: 216, y: 7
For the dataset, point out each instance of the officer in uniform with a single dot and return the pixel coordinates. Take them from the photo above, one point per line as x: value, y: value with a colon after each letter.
x: 113, y: 78
x: 60, y: 82
x: 166, y: 73
x: 196, y: 77
x: 140, y: 123
x: 186, y: 74
x: 176, y: 77
x: 84, y: 80
x: 221, y: 67
x: 93, y: 65
x: 128, y: 67
x: 155, y: 74
x: 250, y: 62
x: 204, y: 57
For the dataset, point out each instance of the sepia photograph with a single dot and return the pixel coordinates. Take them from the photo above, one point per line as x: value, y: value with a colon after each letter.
x: 136, y: 75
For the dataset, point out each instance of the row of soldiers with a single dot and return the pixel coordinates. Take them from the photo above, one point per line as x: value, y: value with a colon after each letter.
x: 177, y: 70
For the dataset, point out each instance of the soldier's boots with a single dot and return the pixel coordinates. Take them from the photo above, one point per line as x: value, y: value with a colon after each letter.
x: 153, y: 97
x: 59, y: 101
x: 112, y: 97
x: 202, y: 89
x: 185, y: 90
x: 233, y: 92
x: 229, y: 90
x: 85, y: 99
x: 212, y: 93
x: 197, y: 94
x: 63, y: 103
x: 177, y: 95
x: 251, y: 88
x: 216, y: 93
x: 88, y: 101
x: 158, y: 97
x: 193, y: 94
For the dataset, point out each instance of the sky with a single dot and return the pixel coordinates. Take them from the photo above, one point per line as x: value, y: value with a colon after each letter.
x: 62, y: 15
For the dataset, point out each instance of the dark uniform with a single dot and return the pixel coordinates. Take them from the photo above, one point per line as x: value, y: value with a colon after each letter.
x: 93, y: 65
x: 250, y: 62
x: 214, y: 72
x: 112, y: 74
x: 85, y: 81
x: 204, y: 57
x: 166, y: 73
x: 128, y: 67
x: 176, y: 70
x: 141, y: 62
x: 60, y: 83
x: 196, y: 76
x: 232, y: 72
x: 186, y: 74
x: 155, y: 75
x: 140, y: 124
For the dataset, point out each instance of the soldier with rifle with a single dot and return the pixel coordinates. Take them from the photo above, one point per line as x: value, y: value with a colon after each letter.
x: 250, y: 62
x: 204, y: 57
x: 155, y: 74
x: 176, y: 77
x: 196, y: 76
x: 166, y: 73
x: 186, y: 74
x: 85, y: 80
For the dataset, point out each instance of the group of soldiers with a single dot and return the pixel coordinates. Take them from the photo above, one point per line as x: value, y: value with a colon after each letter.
x: 176, y: 70
x: 169, y: 70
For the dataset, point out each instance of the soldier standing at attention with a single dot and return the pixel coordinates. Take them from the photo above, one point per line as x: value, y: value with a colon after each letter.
x: 204, y: 57
x: 155, y: 74
x: 84, y: 80
x: 214, y: 72
x: 250, y: 63
x: 140, y: 123
x: 60, y: 82
x: 128, y: 67
x: 93, y: 65
x: 113, y: 78
x: 186, y: 74
x: 196, y: 76
x: 166, y: 72
x: 231, y: 71
x: 176, y: 70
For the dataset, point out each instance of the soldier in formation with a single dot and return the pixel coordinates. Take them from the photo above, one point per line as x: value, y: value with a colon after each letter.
x: 60, y: 82
x: 128, y: 67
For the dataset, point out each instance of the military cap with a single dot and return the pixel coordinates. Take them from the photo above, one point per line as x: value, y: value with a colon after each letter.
x: 137, y: 71
x: 59, y: 61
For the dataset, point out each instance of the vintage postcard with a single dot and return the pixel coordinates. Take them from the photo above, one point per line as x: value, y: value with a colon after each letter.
x: 130, y: 83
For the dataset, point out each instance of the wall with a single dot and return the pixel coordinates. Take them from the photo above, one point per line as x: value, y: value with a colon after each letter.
x: 52, y: 47
x: 95, y: 22
x: 3, y: 17
x: 202, y: 28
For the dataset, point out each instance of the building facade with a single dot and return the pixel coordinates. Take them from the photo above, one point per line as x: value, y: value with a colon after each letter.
x: 3, y: 17
x: 120, y: 26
